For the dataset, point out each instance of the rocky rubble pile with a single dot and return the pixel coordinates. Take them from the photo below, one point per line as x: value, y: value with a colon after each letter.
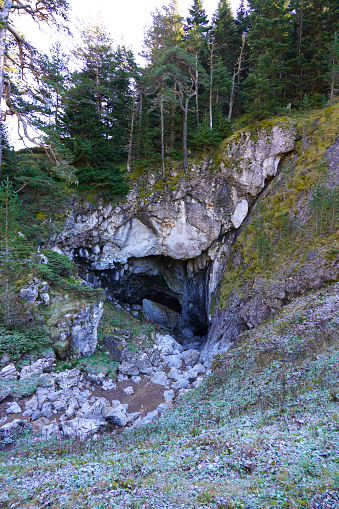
x: 73, y: 404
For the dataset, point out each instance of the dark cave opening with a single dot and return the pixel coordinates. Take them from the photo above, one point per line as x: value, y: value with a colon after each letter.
x: 162, y: 281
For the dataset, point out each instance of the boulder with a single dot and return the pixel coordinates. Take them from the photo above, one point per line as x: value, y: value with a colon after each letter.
x: 68, y: 379
x: 167, y: 318
x: 173, y: 361
x: 160, y: 378
x: 9, y: 372
x: 97, y: 411
x: 51, y: 430
x: 129, y: 390
x: 81, y: 428
x: 150, y: 417
x: 118, y: 416
x: 183, y: 383
x: 13, y: 408
x: 84, y: 331
x: 114, y: 347
x: 9, y: 431
x: 144, y: 364
x: 167, y: 345
x: 169, y: 396
x: 191, y: 357
x: 31, y: 293
x: 163, y: 407
x: 38, y: 367
x: 129, y: 368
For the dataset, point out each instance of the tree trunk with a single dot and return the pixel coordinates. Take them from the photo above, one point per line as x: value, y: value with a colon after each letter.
x: 211, y: 87
x: 236, y: 73
x: 162, y: 135
x: 196, y: 90
x: 130, y: 144
x: 184, y: 135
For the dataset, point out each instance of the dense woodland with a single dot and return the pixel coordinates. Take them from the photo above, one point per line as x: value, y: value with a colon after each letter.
x: 111, y: 114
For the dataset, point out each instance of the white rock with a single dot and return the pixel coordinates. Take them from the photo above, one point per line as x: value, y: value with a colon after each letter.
x: 14, y: 408
x: 183, y: 383
x: 150, y: 417
x: 163, y: 407
x: 9, y: 372
x: 129, y: 390
x: 118, y: 416
x: 240, y: 213
x: 169, y: 396
x: 81, y: 428
x: 160, y: 378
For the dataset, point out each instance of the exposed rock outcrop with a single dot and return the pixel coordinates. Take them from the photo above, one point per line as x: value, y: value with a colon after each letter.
x: 169, y: 246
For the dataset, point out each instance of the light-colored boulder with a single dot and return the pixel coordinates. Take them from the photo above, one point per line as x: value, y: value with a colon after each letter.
x: 84, y: 330
x: 163, y: 407
x: 183, y: 383
x: 97, y: 411
x: 13, y: 408
x: 167, y: 345
x: 173, y: 361
x: 38, y: 367
x: 129, y: 390
x: 150, y: 417
x: 68, y: 379
x: 169, y: 396
x: 160, y: 378
x: 118, y: 416
x: 239, y: 213
x: 81, y: 428
x: 12, y: 429
x: 9, y: 372
x: 191, y: 357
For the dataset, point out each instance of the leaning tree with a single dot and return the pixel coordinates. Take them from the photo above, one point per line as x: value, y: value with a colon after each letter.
x: 41, y: 11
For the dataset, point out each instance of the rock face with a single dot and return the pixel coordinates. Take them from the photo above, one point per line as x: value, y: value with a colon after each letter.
x: 84, y: 332
x: 169, y: 247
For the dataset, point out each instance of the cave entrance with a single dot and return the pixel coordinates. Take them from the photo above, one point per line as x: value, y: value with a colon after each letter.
x: 171, y: 296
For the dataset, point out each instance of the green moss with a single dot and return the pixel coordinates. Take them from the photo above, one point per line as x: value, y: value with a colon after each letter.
x: 265, y: 243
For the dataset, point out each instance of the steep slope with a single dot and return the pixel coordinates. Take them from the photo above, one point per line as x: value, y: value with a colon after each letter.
x: 289, y: 244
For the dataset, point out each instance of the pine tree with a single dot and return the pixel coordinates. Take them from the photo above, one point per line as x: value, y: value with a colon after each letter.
x: 333, y: 75
x: 197, y: 18
x: 268, y: 40
x: 96, y: 105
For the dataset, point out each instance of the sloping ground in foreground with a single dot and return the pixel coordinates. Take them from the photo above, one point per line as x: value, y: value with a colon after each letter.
x: 261, y: 432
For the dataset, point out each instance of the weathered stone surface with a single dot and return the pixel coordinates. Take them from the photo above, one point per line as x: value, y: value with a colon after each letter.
x: 31, y: 293
x: 68, y: 379
x: 167, y: 318
x: 183, y: 383
x: 38, y: 367
x: 150, y: 417
x: 84, y: 331
x: 191, y: 357
x: 14, y: 428
x: 81, y: 428
x: 118, y: 416
x: 160, y: 378
x: 13, y: 408
x: 9, y: 372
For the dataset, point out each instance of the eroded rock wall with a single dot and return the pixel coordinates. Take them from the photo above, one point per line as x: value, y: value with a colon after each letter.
x: 173, y: 239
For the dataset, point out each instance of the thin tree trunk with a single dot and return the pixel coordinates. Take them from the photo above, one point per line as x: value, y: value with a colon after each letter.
x: 196, y: 90
x: 211, y: 87
x: 130, y: 144
x: 184, y: 134
x: 236, y: 73
x: 162, y: 135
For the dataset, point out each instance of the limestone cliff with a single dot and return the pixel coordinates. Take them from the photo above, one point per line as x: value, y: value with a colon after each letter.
x: 167, y: 240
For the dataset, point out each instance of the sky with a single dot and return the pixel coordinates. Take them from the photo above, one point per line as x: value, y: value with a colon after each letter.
x: 124, y: 19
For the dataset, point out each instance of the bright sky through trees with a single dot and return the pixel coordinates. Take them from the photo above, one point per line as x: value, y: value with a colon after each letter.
x: 125, y: 19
